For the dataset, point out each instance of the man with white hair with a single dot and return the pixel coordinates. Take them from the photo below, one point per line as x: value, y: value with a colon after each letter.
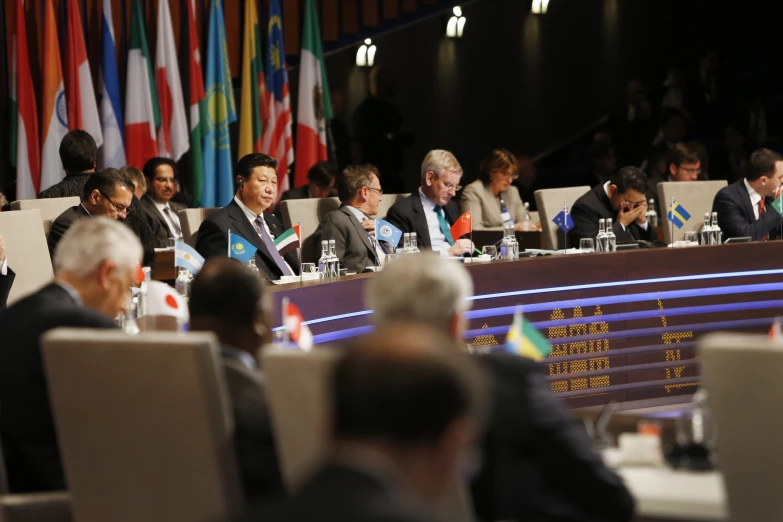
x: 95, y: 265
x: 538, y: 462
x: 430, y: 212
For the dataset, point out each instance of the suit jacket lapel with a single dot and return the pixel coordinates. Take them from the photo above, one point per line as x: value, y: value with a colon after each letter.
x: 247, y: 230
x: 452, y: 212
x: 359, y: 230
x: 747, y: 207
x: 420, y: 221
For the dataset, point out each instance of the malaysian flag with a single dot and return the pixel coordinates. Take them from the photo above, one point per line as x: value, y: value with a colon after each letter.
x: 277, y: 140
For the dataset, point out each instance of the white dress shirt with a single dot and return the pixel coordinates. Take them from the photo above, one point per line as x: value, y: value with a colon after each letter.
x: 4, y: 266
x: 358, y: 214
x: 437, y: 238
x: 251, y: 216
x: 755, y: 197
x: 170, y: 221
x: 606, y: 189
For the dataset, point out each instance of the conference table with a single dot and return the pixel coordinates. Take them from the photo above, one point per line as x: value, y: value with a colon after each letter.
x: 623, y: 325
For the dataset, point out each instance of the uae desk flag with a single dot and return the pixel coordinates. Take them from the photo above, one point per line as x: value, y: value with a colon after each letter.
x: 523, y: 339
x: 289, y: 240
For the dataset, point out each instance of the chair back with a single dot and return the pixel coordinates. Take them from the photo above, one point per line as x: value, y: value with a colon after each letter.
x: 742, y: 377
x: 550, y: 202
x: 191, y: 219
x: 695, y: 197
x: 52, y: 506
x: 308, y: 212
x: 147, y: 434
x: 50, y: 208
x: 386, y: 203
x: 27, y: 251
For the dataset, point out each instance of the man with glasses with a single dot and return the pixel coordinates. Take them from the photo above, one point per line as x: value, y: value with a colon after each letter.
x: 682, y: 164
x: 107, y: 193
x: 352, y: 226
x: 621, y: 199
x: 430, y: 211
x: 161, y: 212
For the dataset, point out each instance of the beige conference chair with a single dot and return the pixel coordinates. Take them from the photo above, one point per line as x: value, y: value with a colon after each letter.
x: 387, y: 202
x: 298, y: 386
x: 50, y: 208
x: 308, y: 212
x: 550, y: 202
x: 27, y: 251
x: 144, y: 425
x: 694, y: 196
x: 191, y: 219
x: 742, y: 377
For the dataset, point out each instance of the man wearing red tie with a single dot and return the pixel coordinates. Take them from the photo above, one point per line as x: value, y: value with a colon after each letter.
x: 745, y: 208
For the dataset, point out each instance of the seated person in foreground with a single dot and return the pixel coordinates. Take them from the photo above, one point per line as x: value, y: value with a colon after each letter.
x: 745, y: 207
x: 538, y: 462
x: 492, y: 200
x: 6, y: 276
x: 430, y: 213
x: 621, y: 199
x: 256, y: 188
x: 230, y: 301
x: 405, y: 408
x: 353, y: 231
x: 95, y: 266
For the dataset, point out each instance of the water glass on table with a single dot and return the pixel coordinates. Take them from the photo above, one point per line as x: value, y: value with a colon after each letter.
x: 491, y: 251
x: 586, y: 244
x: 692, y: 237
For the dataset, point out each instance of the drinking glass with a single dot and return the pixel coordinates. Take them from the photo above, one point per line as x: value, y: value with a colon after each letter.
x: 691, y: 237
x: 491, y: 251
x: 586, y: 244
x: 309, y: 268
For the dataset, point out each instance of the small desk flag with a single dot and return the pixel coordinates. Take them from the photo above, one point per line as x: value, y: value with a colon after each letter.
x: 678, y: 215
x: 564, y: 220
x: 523, y: 339
x: 240, y: 248
x: 294, y: 324
x: 185, y: 256
x: 289, y: 240
x: 462, y: 226
x: 385, y: 231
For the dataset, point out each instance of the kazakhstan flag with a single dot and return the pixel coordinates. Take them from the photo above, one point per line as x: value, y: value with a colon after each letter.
x: 240, y: 248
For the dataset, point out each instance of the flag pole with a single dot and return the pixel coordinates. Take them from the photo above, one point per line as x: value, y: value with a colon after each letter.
x: 229, y: 243
x: 299, y: 251
x: 565, y: 232
x: 471, y: 232
x: 283, y: 312
x: 671, y: 220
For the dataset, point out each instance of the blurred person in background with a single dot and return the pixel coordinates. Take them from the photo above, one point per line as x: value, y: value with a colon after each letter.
x: 526, y: 183
x: 79, y: 157
x: 6, y: 275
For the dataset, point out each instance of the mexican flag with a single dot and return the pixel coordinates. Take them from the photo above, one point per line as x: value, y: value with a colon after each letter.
x: 142, y: 115
x: 198, y: 105
x: 289, y: 240
x: 315, y: 104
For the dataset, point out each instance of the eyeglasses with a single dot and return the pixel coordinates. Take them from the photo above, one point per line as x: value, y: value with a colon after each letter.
x: 691, y: 170
x: 512, y: 176
x: 450, y: 186
x: 122, y: 209
x: 379, y: 190
x: 165, y: 180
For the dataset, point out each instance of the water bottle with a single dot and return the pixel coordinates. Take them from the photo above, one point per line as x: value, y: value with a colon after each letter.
x: 506, y: 246
x: 333, y: 259
x: 716, y: 234
x: 414, y: 244
x: 651, y: 215
x: 406, y: 244
x: 183, y: 282
x: 706, y: 230
x: 526, y: 220
x: 251, y: 264
x: 512, y: 243
x: 141, y: 309
x: 323, y: 261
x: 611, y: 239
x: 600, y: 239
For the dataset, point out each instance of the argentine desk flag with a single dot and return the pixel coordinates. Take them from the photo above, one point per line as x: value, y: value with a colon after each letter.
x: 385, y: 231
x: 240, y: 248
x: 677, y: 214
x: 564, y: 220
x: 185, y: 256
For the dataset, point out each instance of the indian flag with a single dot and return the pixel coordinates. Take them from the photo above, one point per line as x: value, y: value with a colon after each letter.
x: 523, y: 339
x: 293, y: 321
x: 289, y: 240
x: 55, y: 113
x: 315, y: 104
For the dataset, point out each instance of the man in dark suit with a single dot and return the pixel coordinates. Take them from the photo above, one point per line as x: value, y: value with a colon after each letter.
x: 161, y: 212
x: 256, y: 182
x: 230, y: 301
x: 430, y: 212
x: 6, y: 276
x: 95, y: 266
x: 404, y: 409
x: 108, y: 193
x: 320, y: 184
x: 621, y: 199
x: 538, y: 461
x: 745, y: 207
x: 350, y: 226
x: 78, y: 154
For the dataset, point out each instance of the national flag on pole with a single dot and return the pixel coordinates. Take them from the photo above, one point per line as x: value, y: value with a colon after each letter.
x: 198, y: 106
x: 462, y: 226
x: 385, y: 231
x: 240, y: 248
x: 55, y: 111
x: 142, y: 115
x: 26, y: 155
x: 277, y: 140
x: 185, y: 256
x: 315, y: 104
x: 253, y: 116
x: 164, y: 300
x: 564, y: 220
x: 295, y: 325
x: 677, y: 214
x: 289, y: 240
x: 778, y: 204
x: 523, y: 339
x: 82, y: 108
x: 173, y: 130
x: 218, y: 179
x: 112, y: 154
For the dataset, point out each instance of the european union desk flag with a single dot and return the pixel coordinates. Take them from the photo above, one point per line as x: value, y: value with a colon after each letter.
x: 523, y: 339
x: 240, y: 248
x: 677, y: 214
x: 185, y: 256
x: 385, y: 231
x: 564, y: 220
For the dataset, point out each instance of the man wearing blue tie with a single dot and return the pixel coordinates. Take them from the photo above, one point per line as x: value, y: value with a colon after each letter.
x: 352, y: 225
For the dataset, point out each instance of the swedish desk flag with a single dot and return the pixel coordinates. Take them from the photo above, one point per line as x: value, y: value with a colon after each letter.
x: 677, y: 214
x: 240, y: 248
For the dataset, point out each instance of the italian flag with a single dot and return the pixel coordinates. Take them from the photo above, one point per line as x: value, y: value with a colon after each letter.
x: 198, y: 105
x: 55, y: 117
x: 315, y: 104
x: 25, y: 152
x: 289, y: 240
x: 142, y: 116
x: 82, y: 108
x: 294, y: 325
x: 254, y: 112
x: 173, y: 131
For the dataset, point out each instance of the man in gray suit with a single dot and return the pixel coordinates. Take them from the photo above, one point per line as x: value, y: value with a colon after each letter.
x: 351, y: 227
